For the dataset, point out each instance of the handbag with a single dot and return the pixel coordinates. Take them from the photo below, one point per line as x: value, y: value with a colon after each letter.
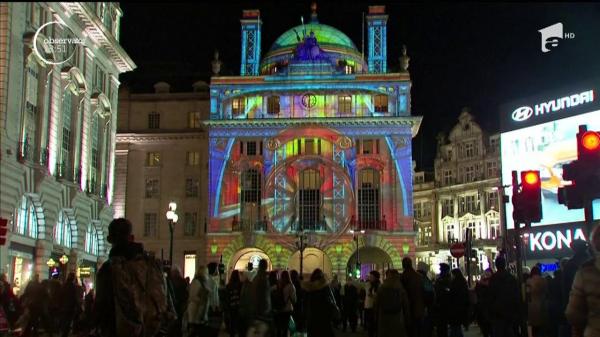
x: 292, y: 325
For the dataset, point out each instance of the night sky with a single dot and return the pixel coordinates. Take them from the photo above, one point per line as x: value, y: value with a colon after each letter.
x: 474, y: 55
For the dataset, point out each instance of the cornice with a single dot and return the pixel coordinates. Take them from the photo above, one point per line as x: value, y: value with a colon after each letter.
x: 100, y: 36
x: 414, y: 122
x: 156, y: 137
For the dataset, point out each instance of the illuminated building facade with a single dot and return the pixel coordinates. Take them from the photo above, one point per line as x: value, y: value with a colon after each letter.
x: 311, y: 141
x: 461, y: 194
x: 57, y: 127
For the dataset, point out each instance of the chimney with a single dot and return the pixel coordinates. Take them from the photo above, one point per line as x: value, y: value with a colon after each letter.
x: 162, y: 88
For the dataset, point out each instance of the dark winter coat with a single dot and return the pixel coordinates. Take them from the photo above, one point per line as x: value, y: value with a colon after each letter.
x: 317, y: 304
x: 413, y: 283
x: 350, y: 299
x: 504, y: 297
x: 392, y: 324
x: 442, y: 297
x: 459, y: 297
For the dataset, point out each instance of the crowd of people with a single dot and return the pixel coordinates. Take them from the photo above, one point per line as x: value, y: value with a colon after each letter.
x: 136, y: 296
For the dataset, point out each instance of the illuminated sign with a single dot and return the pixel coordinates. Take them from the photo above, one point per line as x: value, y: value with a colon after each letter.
x: 523, y: 113
x: 553, y: 241
x: 84, y: 271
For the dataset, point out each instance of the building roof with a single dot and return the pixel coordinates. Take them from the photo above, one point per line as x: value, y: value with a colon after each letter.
x: 326, y: 35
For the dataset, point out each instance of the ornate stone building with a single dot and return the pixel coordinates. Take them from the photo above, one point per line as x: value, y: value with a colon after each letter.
x: 58, y: 106
x: 462, y: 194
x: 310, y: 147
x: 162, y: 157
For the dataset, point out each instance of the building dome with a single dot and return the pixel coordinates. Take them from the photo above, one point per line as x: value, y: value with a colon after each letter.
x: 331, y: 40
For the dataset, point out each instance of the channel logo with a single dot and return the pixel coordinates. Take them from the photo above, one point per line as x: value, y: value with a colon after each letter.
x: 551, y: 35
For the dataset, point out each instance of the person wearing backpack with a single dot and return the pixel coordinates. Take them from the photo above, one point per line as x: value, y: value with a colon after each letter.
x: 131, y: 292
x: 391, y: 306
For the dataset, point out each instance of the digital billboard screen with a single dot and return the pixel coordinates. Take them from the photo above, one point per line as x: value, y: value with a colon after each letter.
x: 546, y: 147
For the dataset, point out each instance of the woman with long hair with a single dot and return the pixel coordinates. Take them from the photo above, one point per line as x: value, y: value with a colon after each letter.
x: 288, y: 294
x: 320, y: 306
x: 298, y: 313
x: 371, y: 293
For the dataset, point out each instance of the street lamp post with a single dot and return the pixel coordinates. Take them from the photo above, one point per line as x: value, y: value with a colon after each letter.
x: 172, y: 217
x: 301, y: 245
x: 355, y: 239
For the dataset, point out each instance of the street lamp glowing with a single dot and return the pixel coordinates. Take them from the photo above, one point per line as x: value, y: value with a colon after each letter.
x: 51, y: 263
x: 173, y: 206
x: 64, y: 259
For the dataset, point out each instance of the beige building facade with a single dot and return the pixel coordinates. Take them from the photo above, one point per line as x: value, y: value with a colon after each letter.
x: 161, y: 157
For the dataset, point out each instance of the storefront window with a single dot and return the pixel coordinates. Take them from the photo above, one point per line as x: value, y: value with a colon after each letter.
x: 62, y: 231
x: 26, y: 221
x: 21, y: 272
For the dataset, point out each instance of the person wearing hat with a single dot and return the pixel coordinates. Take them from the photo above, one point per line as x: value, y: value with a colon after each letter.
x: 119, y: 236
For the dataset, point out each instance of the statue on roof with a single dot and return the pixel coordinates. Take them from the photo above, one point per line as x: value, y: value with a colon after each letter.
x: 308, y: 48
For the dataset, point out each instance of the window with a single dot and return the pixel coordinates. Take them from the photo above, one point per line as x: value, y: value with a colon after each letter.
x: 474, y: 228
x: 251, y: 148
x: 189, y: 227
x: 193, y: 158
x: 469, y: 175
x: 26, y: 222
x: 426, y: 209
x: 492, y: 169
x: 447, y: 178
x: 470, y: 150
x: 309, y: 197
x: 152, y: 188
x: 92, y: 245
x: 62, y: 231
x: 345, y: 104
x: 191, y: 187
x: 273, y: 105
x: 381, y: 103
x: 494, y: 227
x: 424, y: 235
x: 150, y: 225
x: 67, y: 107
x: 153, y: 159
x: 99, y: 78
x: 494, y: 145
x: 370, y: 146
x: 450, y: 232
x: 368, y: 198
x: 153, y: 120
x: 419, y: 179
x: 492, y: 200
x: 447, y: 207
x: 312, y: 146
x: 238, y: 106
x: 468, y: 204
x: 194, y: 121
x: 250, y: 196
x: 348, y: 69
x: 31, y: 109
x: 417, y: 210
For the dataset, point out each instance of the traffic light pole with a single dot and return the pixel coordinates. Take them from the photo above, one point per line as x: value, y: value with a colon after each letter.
x: 589, y: 218
x: 518, y: 251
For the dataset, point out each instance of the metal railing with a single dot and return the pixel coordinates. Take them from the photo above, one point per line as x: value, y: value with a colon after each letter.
x: 379, y: 225
x: 248, y: 226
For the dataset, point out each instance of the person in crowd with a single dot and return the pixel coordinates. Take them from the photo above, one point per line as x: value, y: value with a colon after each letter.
x: 459, y: 299
x: 88, y: 307
x: 10, y: 302
x: 215, y: 314
x: 350, y: 305
x: 180, y: 298
x: 336, y: 287
x: 71, y: 304
x: 362, y: 296
x: 198, y: 304
x: 54, y: 288
x: 232, y: 304
x: 35, y: 301
x: 556, y: 317
x: 581, y: 254
x: 536, y: 310
x: 371, y: 292
x: 298, y: 314
x: 277, y: 303
x: 320, y: 306
x: 261, y: 313
x: 443, y: 304
x: 504, y: 301
x: 392, y: 307
x: 414, y: 285
x: 288, y: 295
x: 482, y: 314
x: 114, y: 286
x: 429, y: 300
x: 583, y: 307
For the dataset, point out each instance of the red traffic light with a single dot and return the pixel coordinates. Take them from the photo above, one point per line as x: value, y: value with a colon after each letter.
x: 531, y: 178
x: 590, y: 141
x: 3, y: 231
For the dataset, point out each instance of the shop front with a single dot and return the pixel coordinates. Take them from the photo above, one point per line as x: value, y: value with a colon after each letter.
x: 21, y: 263
x: 86, y: 273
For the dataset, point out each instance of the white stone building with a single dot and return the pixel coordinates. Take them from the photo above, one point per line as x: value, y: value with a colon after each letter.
x: 57, y: 130
x: 462, y: 194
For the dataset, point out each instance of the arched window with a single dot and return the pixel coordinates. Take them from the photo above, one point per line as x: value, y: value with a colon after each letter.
x: 250, y: 197
x: 309, y: 200
x: 68, y: 134
x: 26, y: 219
x: 62, y: 231
x: 92, y: 245
x: 31, y: 113
x: 368, y: 198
